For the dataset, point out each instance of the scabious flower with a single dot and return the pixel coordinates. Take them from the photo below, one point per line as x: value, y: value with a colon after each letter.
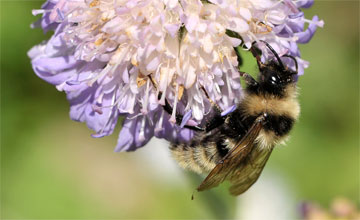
x: 340, y: 208
x: 103, y: 53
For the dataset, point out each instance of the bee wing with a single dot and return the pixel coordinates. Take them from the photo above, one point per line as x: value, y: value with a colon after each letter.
x: 233, y: 158
x: 247, y: 173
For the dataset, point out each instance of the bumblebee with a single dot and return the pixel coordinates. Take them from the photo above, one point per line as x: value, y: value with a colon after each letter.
x: 236, y: 146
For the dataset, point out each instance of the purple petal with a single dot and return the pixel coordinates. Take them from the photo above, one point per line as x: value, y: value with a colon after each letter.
x: 46, y: 22
x: 102, y: 123
x: 191, y: 22
x: 296, y: 15
x: 54, y: 64
x: 304, y: 3
x: 78, y: 102
x: 72, y: 82
x: 98, y: 135
x: 172, y: 29
x: 126, y: 136
x: 173, y: 133
x: 292, y: 6
x: 60, y: 14
x: 79, y: 99
x: 186, y: 118
x: 97, y: 109
x: 130, y: 137
x: 192, y: 123
x: 305, y: 36
x: 153, y: 64
x: 54, y: 79
x: 228, y: 110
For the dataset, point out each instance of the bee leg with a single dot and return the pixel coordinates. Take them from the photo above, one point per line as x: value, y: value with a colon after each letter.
x: 255, y: 52
x: 215, y: 106
x: 215, y: 122
x: 249, y: 80
x: 168, y: 108
x: 217, y: 119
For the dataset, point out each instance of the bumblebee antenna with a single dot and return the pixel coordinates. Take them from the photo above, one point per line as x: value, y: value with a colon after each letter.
x: 274, y: 52
x: 295, y: 61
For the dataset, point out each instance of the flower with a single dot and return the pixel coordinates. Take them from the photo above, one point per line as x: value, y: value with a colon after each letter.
x: 340, y: 208
x: 103, y: 53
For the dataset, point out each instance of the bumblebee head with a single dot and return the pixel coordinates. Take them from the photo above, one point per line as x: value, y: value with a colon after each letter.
x: 272, y: 76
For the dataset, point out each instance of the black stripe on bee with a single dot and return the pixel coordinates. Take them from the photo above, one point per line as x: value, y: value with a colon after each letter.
x: 279, y: 124
x: 221, y: 148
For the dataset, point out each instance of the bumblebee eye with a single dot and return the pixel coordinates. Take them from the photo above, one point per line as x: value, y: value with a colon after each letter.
x: 274, y: 80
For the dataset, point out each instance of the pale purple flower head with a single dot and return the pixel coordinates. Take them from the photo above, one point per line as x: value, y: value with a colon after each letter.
x: 102, y: 53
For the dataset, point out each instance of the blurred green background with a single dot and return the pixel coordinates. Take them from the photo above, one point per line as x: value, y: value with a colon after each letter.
x: 52, y: 168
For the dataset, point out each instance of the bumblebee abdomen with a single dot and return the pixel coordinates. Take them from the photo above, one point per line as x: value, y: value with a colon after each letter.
x: 199, y: 157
